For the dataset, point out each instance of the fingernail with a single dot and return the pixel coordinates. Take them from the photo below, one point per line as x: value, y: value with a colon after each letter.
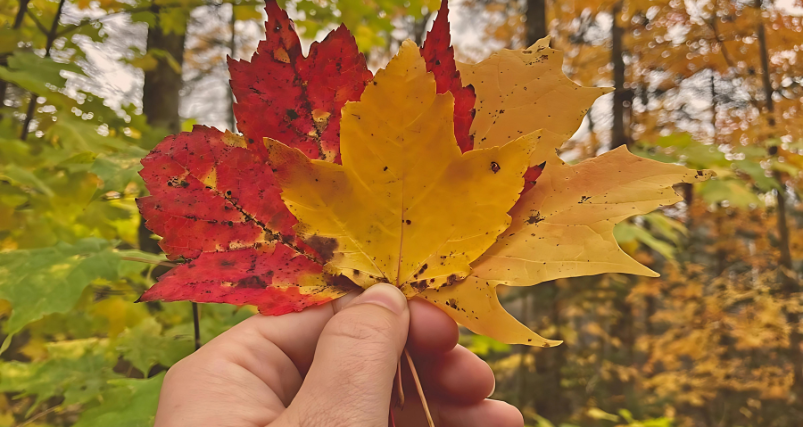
x: 385, y: 295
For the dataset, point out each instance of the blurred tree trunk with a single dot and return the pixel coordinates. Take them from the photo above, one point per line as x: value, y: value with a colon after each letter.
x: 537, y: 27
x: 546, y: 394
x: 160, y: 97
x: 621, y: 95
x: 553, y: 403
x: 420, y: 29
x: 789, y: 283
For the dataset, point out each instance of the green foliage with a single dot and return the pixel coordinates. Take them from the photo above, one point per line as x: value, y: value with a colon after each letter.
x: 78, y: 370
x: 145, y: 346
x: 127, y: 403
x: 370, y: 22
x: 60, y: 272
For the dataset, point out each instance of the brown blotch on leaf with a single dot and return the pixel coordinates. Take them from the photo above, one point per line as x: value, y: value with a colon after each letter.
x: 495, y: 167
x: 252, y: 282
x: 324, y: 246
x: 535, y: 218
x: 419, y: 286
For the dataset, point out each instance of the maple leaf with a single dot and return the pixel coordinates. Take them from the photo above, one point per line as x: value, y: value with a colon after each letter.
x: 406, y: 207
x: 439, y: 54
x: 210, y: 193
x: 273, y: 277
x: 216, y: 203
x: 562, y: 227
x: 295, y: 99
x: 521, y: 91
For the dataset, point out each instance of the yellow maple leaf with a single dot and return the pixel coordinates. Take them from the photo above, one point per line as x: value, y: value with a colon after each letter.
x: 521, y: 91
x: 406, y: 207
x: 562, y: 227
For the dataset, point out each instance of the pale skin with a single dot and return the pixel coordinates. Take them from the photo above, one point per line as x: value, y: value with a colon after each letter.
x: 334, y: 366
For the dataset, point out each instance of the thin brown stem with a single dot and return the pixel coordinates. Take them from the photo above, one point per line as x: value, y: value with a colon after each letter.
x: 38, y: 23
x: 39, y: 415
x: 51, y: 37
x: 196, y: 321
x: 399, y: 387
x: 419, y: 389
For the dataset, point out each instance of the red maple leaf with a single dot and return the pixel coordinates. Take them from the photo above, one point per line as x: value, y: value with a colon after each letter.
x: 439, y: 54
x: 295, y: 99
x: 218, y: 205
x: 208, y: 195
x: 261, y: 276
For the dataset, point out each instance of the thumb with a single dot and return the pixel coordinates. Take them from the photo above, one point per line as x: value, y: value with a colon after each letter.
x: 351, y: 377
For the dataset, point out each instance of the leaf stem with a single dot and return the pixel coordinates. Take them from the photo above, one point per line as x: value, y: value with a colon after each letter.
x: 392, y: 421
x: 399, y: 387
x: 418, y: 387
x: 196, y: 320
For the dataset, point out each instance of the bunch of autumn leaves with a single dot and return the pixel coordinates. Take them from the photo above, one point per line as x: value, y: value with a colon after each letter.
x: 438, y: 177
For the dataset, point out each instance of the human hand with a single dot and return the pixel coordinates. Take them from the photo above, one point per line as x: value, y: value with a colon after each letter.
x: 333, y: 366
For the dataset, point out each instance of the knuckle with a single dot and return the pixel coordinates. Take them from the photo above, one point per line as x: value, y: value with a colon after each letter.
x: 362, y: 329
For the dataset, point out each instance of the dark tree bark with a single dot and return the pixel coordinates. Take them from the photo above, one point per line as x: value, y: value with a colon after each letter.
x: 621, y: 96
x: 537, y: 27
x: 160, y: 95
x: 160, y: 98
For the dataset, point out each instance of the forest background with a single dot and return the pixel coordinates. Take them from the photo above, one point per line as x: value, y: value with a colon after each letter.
x: 87, y: 87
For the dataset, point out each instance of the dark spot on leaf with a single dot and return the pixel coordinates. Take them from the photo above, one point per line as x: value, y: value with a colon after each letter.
x: 253, y: 282
x: 419, y: 286
x: 324, y: 246
x: 408, y: 222
x: 495, y: 167
x: 535, y: 218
